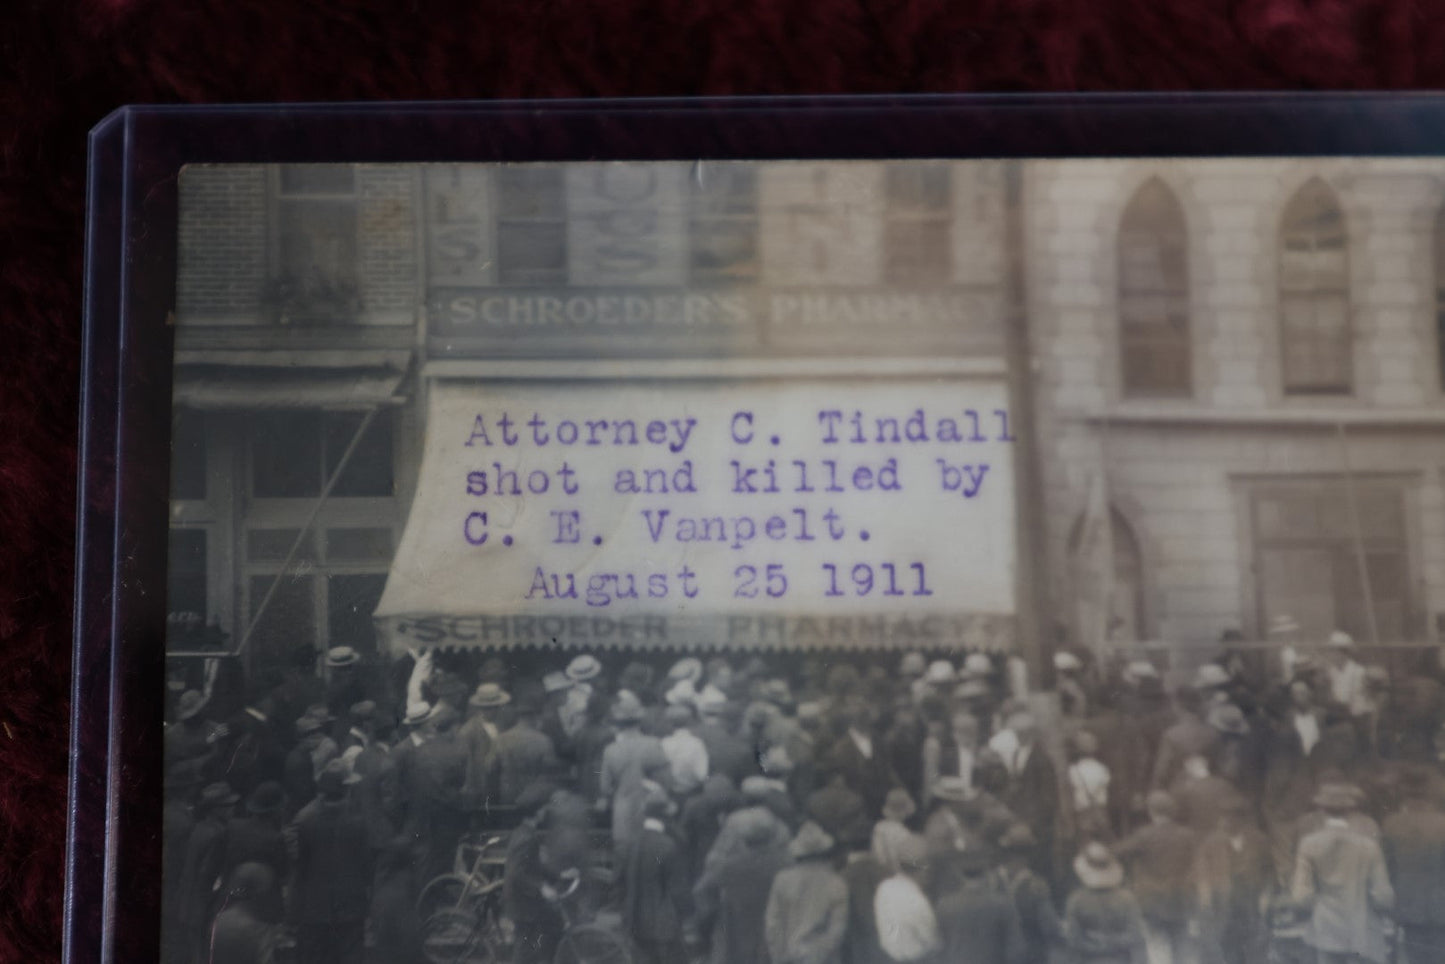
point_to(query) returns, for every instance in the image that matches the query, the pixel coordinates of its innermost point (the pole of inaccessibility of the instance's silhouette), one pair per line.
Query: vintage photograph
(808, 562)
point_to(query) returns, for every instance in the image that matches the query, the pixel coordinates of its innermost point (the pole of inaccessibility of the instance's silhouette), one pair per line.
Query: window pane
(1299, 583)
(369, 472)
(186, 605)
(318, 179)
(358, 545)
(318, 242)
(530, 192)
(272, 545)
(188, 455)
(350, 601)
(1154, 336)
(724, 251)
(289, 619)
(916, 252)
(531, 253)
(725, 190)
(1317, 344)
(286, 455)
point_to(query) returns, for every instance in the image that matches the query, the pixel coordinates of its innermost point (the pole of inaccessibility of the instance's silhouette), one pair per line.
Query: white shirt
(907, 928)
(1089, 781)
(688, 756)
(965, 765)
(1347, 686)
(863, 742)
(1308, 728)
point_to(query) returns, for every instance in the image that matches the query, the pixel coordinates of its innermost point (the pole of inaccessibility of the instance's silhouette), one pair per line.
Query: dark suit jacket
(654, 888)
(979, 926)
(869, 777)
(1033, 794)
(1160, 857)
(240, 936)
(333, 866)
(1415, 853)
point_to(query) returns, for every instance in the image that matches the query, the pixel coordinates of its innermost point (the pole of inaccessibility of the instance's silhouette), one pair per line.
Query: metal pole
(1031, 582)
(310, 520)
(1358, 536)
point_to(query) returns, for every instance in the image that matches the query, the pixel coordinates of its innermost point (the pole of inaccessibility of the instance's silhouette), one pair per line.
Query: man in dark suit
(1159, 857)
(245, 931)
(978, 923)
(654, 888)
(862, 760)
(330, 892)
(1414, 844)
(1032, 793)
(523, 752)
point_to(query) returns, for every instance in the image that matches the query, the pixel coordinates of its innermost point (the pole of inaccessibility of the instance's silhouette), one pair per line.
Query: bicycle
(479, 864)
(589, 941)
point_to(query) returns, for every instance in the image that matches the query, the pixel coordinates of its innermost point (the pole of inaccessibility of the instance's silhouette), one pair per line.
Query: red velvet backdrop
(66, 64)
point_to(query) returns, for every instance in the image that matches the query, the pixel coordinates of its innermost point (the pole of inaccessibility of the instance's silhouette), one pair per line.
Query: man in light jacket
(1340, 876)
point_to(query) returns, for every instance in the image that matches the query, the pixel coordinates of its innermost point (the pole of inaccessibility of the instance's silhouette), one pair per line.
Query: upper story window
(919, 211)
(1316, 346)
(531, 225)
(1154, 339)
(724, 228)
(294, 453)
(316, 251)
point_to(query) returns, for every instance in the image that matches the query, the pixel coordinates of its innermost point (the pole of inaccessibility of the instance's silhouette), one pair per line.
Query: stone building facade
(1239, 383)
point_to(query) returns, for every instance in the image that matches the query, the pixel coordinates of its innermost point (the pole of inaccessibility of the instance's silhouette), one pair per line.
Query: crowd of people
(838, 811)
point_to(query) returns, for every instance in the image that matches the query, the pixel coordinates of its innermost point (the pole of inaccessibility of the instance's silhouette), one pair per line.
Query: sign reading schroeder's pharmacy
(824, 497)
(820, 503)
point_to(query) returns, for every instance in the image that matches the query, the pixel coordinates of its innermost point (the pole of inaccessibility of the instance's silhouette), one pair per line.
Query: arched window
(1440, 294)
(1154, 295)
(1314, 295)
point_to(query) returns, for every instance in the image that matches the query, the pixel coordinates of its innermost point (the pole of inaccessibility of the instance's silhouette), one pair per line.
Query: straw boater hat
(756, 787)
(1097, 868)
(972, 689)
(912, 665)
(627, 708)
(811, 841)
(583, 668)
(777, 762)
(688, 668)
(333, 780)
(1282, 625)
(338, 656)
(1067, 663)
(1210, 676)
(1340, 640)
(555, 682)
(1137, 670)
(899, 805)
(977, 664)
(939, 672)
(1228, 718)
(489, 695)
(952, 790)
(416, 713)
(308, 723)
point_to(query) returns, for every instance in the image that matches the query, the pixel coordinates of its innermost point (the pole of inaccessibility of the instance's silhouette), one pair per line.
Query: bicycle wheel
(458, 937)
(446, 891)
(591, 944)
